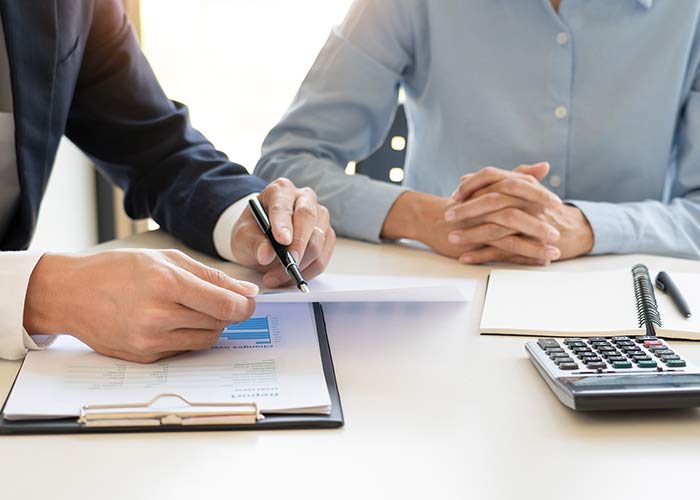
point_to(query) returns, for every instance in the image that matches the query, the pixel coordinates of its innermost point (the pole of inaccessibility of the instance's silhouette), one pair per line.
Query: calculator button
(555, 350)
(641, 357)
(663, 352)
(622, 364)
(583, 354)
(568, 366)
(558, 355)
(574, 342)
(595, 366)
(563, 361)
(649, 343)
(620, 338)
(616, 358)
(670, 356)
(643, 338)
(631, 349)
(623, 343)
(548, 343)
(606, 348)
(646, 363)
(655, 348)
(675, 363)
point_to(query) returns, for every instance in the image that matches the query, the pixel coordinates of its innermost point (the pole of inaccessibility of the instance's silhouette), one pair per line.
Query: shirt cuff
(224, 227)
(613, 230)
(15, 270)
(366, 210)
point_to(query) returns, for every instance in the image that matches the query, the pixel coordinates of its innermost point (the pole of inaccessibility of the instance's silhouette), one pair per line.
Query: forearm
(343, 112)
(649, 227)
(358, 205)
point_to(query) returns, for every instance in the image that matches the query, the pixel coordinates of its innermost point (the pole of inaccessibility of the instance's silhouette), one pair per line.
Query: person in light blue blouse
(586, 114)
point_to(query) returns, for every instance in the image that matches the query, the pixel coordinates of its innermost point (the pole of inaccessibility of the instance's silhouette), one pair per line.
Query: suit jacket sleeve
(144, 142)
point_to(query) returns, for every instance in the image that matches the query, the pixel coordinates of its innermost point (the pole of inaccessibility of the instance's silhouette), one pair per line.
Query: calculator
(616, 373)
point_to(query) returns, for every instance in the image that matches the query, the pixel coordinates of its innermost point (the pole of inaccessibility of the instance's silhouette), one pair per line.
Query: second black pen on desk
(666, 285)
(290, 265)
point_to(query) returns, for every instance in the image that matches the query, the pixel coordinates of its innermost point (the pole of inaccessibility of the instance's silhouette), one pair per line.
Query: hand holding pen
(287, 260)
(298, 222)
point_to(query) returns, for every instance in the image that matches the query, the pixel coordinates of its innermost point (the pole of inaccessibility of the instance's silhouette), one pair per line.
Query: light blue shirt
(607, 91)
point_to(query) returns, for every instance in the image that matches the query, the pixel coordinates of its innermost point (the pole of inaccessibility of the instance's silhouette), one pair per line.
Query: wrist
(586, 236)
(48, 304)
(412, 215)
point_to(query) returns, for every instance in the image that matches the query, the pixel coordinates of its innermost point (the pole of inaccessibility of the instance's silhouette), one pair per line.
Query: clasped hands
(494, 215)
(509, 216)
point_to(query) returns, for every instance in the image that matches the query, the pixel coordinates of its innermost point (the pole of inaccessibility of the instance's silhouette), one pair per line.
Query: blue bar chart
(255, 331)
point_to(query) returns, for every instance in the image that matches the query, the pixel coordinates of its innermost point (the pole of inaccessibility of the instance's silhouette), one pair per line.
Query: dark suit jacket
(77, 70)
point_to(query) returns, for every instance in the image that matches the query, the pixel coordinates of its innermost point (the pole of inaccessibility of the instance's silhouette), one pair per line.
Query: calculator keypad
(611, 354)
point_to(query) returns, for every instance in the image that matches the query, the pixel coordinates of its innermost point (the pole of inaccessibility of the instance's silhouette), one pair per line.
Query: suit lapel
(31, 36)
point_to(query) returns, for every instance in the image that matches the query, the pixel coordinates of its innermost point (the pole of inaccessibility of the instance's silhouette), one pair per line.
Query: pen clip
(660, 284)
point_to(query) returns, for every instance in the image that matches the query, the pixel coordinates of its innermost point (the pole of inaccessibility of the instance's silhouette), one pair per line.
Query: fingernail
(450, 215)
(453, 238)
(272, 282)
(249, 289)
(552, 235)
(552, 253)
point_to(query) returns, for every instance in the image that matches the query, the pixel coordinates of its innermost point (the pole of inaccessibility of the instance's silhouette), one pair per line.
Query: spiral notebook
(572, 304)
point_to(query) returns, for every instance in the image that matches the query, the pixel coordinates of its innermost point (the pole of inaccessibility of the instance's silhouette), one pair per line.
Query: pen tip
(304, 288)
(688, 315)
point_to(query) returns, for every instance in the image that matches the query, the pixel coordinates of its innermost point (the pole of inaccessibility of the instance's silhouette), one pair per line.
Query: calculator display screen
(663, 381)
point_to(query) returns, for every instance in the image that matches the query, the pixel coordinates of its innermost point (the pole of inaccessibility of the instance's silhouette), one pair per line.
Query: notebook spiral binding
(647, 308)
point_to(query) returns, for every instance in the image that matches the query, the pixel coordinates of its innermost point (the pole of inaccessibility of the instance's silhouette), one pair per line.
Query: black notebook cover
(271, 421)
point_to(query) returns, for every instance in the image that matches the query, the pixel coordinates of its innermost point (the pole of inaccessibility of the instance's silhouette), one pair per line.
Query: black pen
(666, 284)
(290, 265)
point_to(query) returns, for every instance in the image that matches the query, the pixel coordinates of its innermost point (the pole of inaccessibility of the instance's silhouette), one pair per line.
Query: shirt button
(555, 181)
(560, 112)
(562, 38)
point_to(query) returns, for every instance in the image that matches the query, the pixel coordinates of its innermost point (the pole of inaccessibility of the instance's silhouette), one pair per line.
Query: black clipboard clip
(149, 414)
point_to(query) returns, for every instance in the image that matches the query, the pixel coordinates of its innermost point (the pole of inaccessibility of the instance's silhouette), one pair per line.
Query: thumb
(250, 246)
(539, 170)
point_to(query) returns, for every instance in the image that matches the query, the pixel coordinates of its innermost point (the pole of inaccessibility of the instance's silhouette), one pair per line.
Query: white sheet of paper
(357, 288)
(272, 359)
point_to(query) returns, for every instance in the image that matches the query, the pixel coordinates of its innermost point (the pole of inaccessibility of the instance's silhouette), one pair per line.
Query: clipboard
(199, 416)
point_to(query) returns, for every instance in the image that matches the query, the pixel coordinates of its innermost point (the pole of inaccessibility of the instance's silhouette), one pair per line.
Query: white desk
(425, 418)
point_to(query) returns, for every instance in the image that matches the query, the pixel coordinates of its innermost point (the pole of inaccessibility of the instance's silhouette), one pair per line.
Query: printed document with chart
(273, 359)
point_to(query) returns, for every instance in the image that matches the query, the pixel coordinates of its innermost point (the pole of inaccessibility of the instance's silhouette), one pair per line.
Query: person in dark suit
(75, 68)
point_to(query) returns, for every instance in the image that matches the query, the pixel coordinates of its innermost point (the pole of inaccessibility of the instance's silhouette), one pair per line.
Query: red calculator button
(648, 343)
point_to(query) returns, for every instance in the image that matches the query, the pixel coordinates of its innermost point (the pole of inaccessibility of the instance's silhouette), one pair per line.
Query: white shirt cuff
(15, 270)
(224, 227)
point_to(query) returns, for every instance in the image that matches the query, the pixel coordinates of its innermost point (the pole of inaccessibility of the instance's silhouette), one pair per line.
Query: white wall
(68, 215)
(236, 63)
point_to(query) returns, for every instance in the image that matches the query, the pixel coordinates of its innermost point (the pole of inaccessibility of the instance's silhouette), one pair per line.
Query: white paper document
(272, 359)
(357, 288)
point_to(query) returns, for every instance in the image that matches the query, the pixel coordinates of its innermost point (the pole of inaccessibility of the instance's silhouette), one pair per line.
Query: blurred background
(236, 63)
